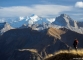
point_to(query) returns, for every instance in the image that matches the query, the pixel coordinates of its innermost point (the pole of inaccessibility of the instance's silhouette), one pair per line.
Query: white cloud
(41, 10)
(79, 4)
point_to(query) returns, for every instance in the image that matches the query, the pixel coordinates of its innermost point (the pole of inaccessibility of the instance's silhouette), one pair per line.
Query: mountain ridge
(27, 39)
(45, 42)
(39, 23)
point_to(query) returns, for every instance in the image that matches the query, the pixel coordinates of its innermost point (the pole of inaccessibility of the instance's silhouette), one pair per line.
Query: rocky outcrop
(4, 27)
(64, 20)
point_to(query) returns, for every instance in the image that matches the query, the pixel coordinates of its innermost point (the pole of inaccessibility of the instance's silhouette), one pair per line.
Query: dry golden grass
(73, 51)
(67, 55)
(55, 32)
(31, 50)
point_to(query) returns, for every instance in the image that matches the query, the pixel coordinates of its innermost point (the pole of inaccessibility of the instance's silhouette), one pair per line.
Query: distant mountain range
(39, 23)
(17, 22)
(33, 38)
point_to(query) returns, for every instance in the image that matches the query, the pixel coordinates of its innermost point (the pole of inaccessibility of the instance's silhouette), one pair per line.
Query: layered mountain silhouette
(45, 42)
(40, 23)
(34, 37)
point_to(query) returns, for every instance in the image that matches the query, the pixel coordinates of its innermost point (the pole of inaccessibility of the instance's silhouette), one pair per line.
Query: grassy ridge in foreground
(67, 55)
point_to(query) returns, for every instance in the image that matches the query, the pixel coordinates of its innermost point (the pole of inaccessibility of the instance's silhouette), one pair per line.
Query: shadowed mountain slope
(27, 39)
(70, 36)
(45, 42)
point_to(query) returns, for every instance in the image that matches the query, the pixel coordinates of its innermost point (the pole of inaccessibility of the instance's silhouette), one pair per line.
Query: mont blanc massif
(34, 38)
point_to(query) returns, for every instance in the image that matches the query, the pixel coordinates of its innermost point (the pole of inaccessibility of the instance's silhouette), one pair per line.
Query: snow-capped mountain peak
(64, 20)
(39, 23)
(33, 18)
(64, 15)
(21, 18)
(17, 22)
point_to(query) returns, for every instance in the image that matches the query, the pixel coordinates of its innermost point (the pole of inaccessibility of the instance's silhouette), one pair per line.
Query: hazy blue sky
(43, 8)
